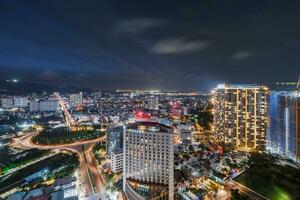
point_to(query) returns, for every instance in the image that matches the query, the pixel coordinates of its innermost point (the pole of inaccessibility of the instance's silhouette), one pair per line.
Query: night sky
(164, 44)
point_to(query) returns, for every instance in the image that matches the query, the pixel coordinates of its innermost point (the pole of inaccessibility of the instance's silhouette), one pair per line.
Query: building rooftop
(117, 151)
(148, 190)
(149, 126)
(286, 93)
(239, 86)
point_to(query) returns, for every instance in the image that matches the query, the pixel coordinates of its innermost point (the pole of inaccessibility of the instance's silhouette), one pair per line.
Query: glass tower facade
(114, 139)
(283, 132)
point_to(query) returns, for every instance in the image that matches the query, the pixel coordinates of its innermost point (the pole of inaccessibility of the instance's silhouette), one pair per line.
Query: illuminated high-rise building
(284, 134)
(241, 115)
(114, 139)
(76, 99)
(34, 106)
(176, 109)
(49, 105)
(20, 101)
(153, 104)
(7, 103)
(116, 160)
(148, 161)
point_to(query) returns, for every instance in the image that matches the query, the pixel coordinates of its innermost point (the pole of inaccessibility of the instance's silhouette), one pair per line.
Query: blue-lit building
(114, 139)
(283, 133)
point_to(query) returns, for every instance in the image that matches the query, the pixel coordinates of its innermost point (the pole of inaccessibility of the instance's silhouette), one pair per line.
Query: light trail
(86, 157)
(85, 166)
(68, 117)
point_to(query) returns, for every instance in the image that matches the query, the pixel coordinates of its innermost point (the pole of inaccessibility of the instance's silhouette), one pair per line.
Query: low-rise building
(185, 137)
(76, 99)
(187, 195)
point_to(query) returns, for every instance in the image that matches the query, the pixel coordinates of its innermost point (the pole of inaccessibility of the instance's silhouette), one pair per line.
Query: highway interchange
(89, 173)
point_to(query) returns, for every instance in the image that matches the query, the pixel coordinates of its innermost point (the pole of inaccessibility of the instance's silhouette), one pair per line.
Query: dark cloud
(178, 46)
(241, 55)
(164, 44)
(138, 25)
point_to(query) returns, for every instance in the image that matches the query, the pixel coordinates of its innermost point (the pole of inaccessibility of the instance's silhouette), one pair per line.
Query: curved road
(89, 173)
(250, 193)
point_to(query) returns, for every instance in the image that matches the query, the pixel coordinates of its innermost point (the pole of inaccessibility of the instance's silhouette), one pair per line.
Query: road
(250, 193)
(87, 167)
(68, 116)
(94, 172)
(27, 164)
(89, 174)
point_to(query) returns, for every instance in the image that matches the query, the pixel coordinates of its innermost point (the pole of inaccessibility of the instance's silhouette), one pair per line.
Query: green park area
(19, 159)
(271, 177)
(63, 135)
(99, 151)
(57, 166)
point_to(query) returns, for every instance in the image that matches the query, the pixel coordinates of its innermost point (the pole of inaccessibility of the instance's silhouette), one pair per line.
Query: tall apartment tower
(43, 106)
(114, 139)
(148, 161)
(20, 101)
(7, 103)
(76, 99)
(153, 104)
(240, 115)
(283, 133)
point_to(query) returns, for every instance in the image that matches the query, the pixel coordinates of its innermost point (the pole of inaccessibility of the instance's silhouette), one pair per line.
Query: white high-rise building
(7, 103)
(240, 115)
(116, 161)
(49, 106)
(20, 101)
(44, 106)
(148, 161)
(76, 99)
(153, 103)
(34, 106)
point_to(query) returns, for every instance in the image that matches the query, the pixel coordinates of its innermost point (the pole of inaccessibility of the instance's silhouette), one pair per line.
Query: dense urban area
(239, 141)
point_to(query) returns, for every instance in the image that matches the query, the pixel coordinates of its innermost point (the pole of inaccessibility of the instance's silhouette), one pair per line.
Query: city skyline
(128, 144)
(149, 100)
(146, 45)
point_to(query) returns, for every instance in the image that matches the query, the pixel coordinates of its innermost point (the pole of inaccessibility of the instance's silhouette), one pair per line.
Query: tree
(235, 195)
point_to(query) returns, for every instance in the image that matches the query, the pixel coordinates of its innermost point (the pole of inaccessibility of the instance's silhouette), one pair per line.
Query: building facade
(34, 106)
(44, 106)
(49, 106)
(176, 109)
(153, 104)
(7, 103)
(185, 137)
(241, 115)
(148, 161)
(20, 101)
(76, 99)
(116, 161)
(284, 134)
(114, 139)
